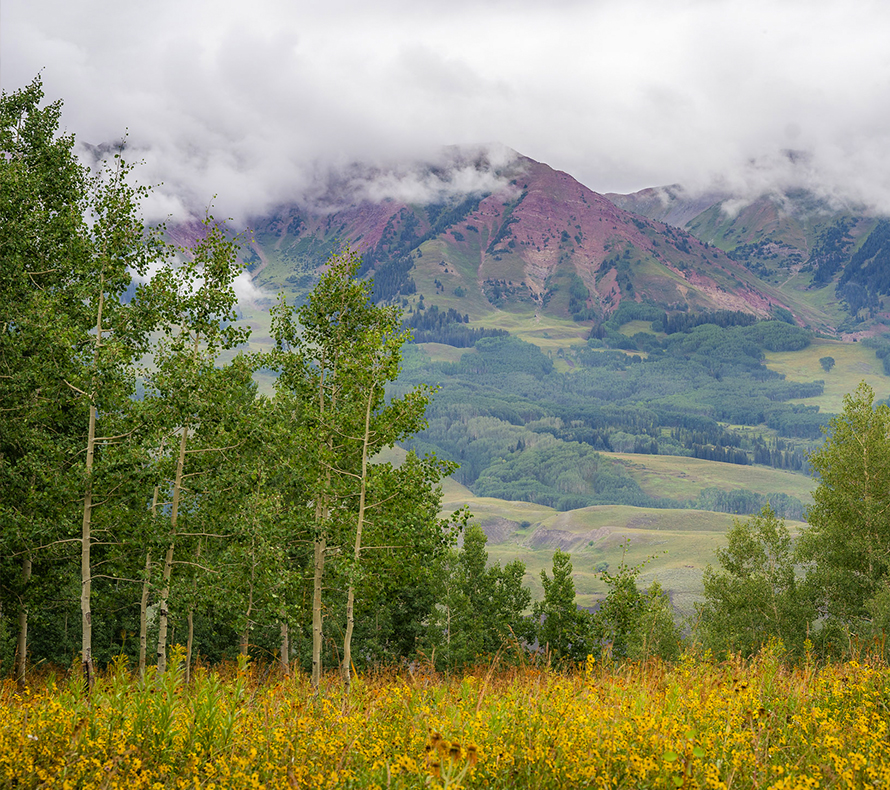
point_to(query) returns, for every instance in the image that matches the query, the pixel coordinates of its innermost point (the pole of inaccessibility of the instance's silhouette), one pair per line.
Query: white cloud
(252, 103)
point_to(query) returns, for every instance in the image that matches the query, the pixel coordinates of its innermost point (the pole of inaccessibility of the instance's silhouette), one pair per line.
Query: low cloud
(264, 104)
(451, 172)
(247, 292)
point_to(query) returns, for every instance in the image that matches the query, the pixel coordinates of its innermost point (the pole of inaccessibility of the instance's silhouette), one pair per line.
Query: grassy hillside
(854, 362)
(680, 543)
(678, 477)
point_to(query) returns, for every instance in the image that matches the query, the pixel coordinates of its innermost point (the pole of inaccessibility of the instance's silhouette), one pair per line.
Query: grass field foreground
(696, 724)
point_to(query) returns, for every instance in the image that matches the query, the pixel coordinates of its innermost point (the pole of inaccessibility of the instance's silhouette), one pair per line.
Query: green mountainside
(542, 244)
(832, 263)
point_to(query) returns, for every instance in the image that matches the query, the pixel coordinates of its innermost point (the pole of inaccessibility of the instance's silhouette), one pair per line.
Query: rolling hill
(621, 297)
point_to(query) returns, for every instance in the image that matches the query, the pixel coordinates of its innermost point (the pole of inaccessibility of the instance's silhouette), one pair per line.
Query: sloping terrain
(677, 544)
(831, 263)
(643, 349)
(542, 243)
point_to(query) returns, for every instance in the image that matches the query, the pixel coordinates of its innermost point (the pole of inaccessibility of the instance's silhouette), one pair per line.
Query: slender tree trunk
(86, 615)
(163, 613)
(321, 518)
(318, 570)
(163, 619)
(21, 650)
(245, 635)
(146, 587)
(346, 666)
(86, 578)
(143, 614)
(284, 651)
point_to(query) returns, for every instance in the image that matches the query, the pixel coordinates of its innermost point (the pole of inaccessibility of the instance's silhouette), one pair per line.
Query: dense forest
(520, 430)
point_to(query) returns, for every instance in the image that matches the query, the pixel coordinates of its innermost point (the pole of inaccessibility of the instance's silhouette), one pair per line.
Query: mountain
(536, 242)
(832, 262)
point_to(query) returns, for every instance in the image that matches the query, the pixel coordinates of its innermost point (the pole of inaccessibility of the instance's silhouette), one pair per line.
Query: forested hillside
(520, 430)
(831, 260)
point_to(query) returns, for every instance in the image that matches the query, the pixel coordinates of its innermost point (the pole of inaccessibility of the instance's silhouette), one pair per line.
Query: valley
(643, 401)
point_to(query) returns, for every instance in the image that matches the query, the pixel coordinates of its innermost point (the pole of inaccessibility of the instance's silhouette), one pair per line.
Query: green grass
(441, 352)
(854, 363)
(632, 328)
(546, 332)
(682, 478)
(678, 544)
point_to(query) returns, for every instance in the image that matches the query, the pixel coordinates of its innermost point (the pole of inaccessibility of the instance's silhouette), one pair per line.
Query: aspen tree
(336, 353)
(196, 299)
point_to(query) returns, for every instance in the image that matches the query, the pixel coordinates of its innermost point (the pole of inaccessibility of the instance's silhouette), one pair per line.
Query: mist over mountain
(485, 229)
(826, 256)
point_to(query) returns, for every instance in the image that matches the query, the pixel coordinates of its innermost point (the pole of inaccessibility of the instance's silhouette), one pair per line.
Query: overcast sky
(251, 101)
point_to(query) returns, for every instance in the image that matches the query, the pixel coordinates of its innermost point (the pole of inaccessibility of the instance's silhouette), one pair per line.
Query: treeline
(827, 590)
(867, 275)
(449, 327)
(392, 259)
(148, 493)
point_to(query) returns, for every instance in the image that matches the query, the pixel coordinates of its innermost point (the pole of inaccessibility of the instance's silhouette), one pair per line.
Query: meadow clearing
(699, 723)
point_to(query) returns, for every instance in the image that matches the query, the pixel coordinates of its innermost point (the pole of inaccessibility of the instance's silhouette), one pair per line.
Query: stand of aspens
(190, 486)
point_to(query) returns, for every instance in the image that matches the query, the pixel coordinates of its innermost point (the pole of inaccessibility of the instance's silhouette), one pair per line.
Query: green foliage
(848, 543)
(656, 632)
(755, 595)
(630, 310)
(563, 475)
(632, 623)
(866, 277)
(495, 405)
(504, 354)
(450, 327)
(683, 322)
(564, 630)
(743, 502)
(483, 608)
(827, 363)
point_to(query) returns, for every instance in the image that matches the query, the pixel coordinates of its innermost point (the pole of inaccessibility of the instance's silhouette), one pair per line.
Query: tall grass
(699, 723)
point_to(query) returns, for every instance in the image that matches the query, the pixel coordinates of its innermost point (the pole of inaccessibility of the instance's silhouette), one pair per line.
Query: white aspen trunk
(245, 635)
(163, 619)
(318, 570)
(284, 651)
(21, 650)
(321, 517)
(143, 614)
(146, 587)
(346, 666)
(163, 613)
(86, 616)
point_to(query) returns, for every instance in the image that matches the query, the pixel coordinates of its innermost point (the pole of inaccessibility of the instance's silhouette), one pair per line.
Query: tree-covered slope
(829, 262)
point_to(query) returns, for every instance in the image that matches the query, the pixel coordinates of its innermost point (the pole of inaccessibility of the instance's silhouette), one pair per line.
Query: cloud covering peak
(252, 103)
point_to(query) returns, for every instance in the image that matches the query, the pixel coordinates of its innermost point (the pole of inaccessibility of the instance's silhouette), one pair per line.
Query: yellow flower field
(696, 724)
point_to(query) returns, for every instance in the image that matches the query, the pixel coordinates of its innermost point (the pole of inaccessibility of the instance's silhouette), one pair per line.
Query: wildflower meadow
(696, 723)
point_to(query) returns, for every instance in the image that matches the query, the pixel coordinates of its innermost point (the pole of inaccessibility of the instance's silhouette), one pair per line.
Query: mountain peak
(484, 229)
